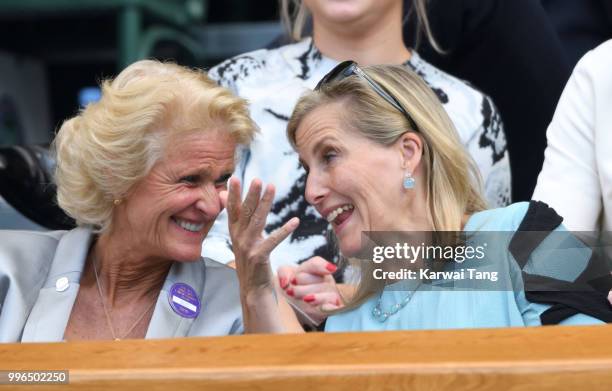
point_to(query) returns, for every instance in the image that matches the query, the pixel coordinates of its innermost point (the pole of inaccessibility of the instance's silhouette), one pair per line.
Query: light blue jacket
(33, 309)
(432, 307)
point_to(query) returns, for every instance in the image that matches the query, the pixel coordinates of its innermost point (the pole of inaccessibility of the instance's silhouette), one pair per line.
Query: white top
(576, 179)
(273, 80)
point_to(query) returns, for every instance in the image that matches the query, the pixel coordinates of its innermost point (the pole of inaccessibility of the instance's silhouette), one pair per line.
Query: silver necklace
(109, 320)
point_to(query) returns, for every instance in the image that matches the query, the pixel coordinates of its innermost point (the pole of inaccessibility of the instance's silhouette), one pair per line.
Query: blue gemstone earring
(409, 181)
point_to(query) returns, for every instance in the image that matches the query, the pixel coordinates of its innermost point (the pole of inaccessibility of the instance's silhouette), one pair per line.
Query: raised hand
(246, 223)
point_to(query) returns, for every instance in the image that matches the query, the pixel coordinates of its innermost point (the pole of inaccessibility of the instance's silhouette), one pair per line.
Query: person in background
(141, 172)
(369, 31)
(576, 178)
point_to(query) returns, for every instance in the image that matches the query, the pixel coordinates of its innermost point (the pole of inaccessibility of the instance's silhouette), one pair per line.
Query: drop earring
(408, 181)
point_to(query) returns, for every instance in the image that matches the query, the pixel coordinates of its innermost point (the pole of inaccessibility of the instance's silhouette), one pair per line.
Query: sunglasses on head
(350, 68)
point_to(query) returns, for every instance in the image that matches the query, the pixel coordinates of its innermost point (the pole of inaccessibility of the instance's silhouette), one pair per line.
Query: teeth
(334, 213)
(188, 226)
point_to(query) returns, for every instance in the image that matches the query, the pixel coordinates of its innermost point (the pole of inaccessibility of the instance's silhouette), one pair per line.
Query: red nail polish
(294, 281)
(309, 298)
(331, 267)
(289, 292)
(283, 282)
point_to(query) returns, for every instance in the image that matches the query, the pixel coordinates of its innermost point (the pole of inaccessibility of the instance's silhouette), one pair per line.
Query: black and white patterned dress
(273, 81)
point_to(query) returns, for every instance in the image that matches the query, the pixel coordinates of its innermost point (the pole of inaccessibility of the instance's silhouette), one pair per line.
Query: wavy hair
(112, 144)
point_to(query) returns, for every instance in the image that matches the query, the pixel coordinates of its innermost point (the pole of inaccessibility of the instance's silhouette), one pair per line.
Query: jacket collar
(166, 322)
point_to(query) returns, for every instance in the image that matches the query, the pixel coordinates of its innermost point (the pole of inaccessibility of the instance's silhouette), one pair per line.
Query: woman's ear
(410, 146)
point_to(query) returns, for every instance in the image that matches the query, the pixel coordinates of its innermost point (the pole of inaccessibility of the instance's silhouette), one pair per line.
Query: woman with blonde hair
(382, 156)
(141, 171)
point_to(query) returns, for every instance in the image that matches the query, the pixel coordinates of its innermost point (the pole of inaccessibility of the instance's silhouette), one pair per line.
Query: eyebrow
(316, 149)
(319, 145)
(206, 173)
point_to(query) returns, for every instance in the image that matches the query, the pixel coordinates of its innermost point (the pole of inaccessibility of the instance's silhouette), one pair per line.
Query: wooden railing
(539, 358)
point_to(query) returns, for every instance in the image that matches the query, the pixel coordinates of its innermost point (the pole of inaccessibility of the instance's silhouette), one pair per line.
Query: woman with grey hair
(369, 32)
(142, 172)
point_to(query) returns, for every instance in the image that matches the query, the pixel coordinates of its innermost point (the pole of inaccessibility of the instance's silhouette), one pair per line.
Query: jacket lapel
(49, 316)
(166, 322)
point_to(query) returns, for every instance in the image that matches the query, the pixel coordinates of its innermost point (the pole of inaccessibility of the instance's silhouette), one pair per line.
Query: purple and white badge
(184, 300)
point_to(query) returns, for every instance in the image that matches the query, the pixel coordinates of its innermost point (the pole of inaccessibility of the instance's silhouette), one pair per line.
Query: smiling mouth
(187, 226)
(338, 215)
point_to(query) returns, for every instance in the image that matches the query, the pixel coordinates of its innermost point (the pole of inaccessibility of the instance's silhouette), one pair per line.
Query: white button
(62, 284)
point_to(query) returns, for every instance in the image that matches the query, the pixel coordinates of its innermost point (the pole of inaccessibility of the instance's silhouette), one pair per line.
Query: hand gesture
(246, 223)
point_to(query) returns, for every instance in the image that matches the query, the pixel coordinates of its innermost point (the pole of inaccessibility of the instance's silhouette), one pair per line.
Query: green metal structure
(135, 41)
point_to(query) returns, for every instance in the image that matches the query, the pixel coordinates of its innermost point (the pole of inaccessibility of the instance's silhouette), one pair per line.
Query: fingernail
(331, 267)
(283, 282)
(289, 292)
(309, 298)
(294, 281)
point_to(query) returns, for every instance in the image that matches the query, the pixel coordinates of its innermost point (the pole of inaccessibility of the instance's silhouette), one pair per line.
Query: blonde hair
(113, 143)
(452, 180)
(294, 15)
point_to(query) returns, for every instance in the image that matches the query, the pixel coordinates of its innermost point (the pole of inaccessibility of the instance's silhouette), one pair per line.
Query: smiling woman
(382, 158)
(142, 172)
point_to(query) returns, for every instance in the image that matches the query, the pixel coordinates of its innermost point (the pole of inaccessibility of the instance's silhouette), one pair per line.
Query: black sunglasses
(350, 68)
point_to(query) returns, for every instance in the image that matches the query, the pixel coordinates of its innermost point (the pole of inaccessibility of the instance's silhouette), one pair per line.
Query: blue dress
(440, 308)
